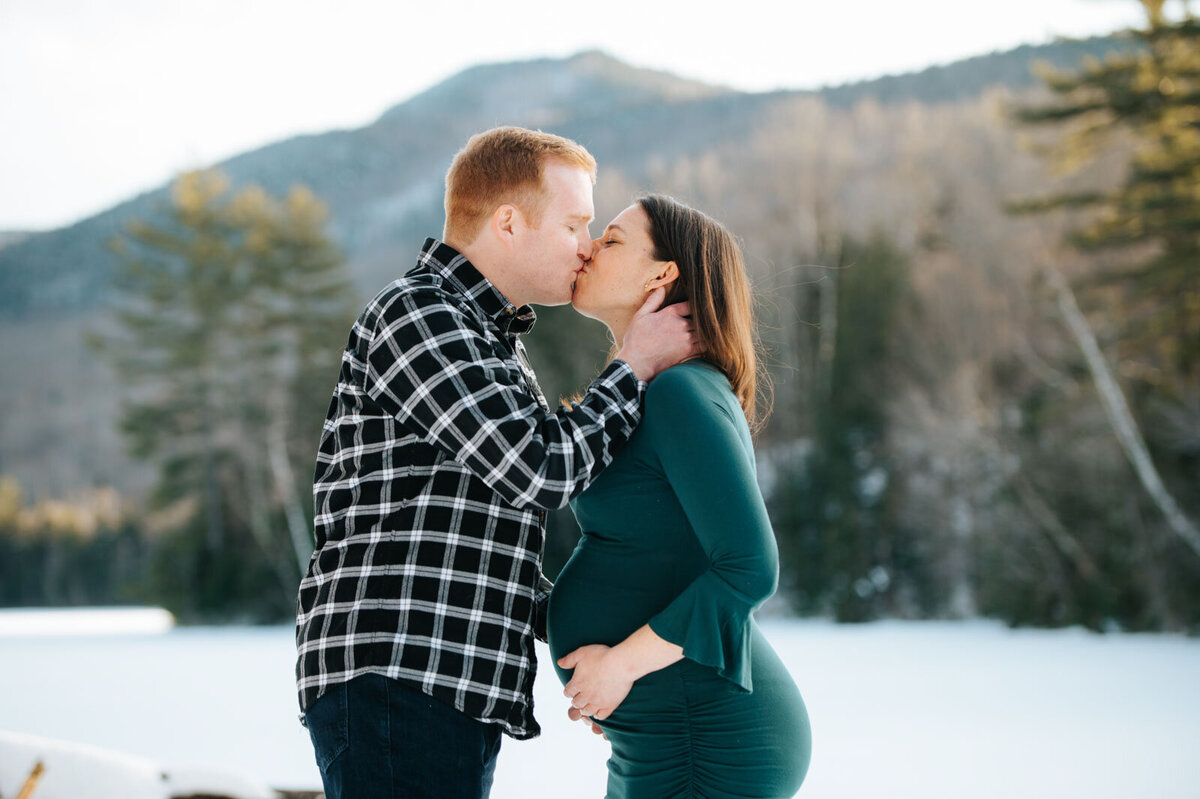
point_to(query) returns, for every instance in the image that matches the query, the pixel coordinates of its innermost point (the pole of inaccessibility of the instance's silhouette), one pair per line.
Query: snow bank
(84, 621)
(75, 771)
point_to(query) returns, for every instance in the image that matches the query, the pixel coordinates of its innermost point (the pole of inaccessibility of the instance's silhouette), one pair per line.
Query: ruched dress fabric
(676, 535)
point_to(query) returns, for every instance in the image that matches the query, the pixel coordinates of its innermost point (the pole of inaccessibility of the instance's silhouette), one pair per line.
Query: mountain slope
(383, 182)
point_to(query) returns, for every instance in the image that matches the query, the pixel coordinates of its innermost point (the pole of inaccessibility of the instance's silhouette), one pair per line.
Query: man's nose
(587, 248)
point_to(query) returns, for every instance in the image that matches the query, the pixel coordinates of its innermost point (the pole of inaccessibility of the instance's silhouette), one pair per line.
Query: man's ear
(506, 220)
(666, 276)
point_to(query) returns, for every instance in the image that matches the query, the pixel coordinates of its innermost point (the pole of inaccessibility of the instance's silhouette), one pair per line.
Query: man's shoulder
(420, 284)
(418, 289)
(419, 298)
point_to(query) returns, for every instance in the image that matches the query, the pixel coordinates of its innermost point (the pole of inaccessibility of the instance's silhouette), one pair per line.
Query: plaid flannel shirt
(438, 457)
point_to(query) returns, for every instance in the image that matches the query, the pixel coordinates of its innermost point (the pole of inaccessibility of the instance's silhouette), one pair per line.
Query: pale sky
(103, 99)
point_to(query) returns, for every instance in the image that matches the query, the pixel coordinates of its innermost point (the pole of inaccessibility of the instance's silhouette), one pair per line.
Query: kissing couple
(438, 461)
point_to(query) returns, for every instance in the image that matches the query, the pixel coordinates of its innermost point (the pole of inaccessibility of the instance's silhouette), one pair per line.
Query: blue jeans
(376, 737)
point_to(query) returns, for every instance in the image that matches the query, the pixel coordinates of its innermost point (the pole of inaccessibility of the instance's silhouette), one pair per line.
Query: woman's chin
(580, 305)
(590, 313)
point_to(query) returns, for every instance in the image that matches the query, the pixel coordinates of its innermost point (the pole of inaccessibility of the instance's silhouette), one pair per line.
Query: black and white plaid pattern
(437, 459)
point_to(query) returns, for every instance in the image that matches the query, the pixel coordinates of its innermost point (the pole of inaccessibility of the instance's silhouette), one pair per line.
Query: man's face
(553, 253)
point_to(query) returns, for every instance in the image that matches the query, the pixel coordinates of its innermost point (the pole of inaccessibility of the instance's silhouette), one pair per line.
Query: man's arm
(428, 364)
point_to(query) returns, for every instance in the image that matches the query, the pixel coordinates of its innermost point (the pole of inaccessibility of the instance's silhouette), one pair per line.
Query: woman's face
(613, 285)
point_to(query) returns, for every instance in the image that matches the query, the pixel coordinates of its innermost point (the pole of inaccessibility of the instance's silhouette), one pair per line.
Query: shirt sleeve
(706, 461)
(541, 608)
(430, 365)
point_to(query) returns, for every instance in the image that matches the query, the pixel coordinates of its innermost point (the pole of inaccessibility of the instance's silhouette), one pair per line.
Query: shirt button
(509, 310)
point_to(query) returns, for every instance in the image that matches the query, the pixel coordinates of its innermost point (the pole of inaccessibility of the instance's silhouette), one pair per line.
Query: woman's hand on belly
(601, 680)
(574, 715)
(604, 675)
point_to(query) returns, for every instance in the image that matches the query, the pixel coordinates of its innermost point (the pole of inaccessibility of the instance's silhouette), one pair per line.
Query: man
(417, 616)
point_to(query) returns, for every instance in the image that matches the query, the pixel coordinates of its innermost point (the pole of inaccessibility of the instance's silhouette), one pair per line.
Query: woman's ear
(667, 275)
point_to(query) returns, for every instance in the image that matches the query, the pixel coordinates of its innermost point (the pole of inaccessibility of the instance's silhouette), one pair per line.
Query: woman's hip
(689, 722)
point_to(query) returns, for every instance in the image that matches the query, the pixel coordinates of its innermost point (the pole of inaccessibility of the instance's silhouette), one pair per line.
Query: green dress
(676, 535)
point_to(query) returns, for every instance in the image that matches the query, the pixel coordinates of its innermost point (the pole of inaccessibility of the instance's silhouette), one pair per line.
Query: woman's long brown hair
(712, 279)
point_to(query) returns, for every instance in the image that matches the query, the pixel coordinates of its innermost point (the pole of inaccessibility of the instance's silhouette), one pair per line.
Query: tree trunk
(1118, 413)
(281, 471)
(258, 520)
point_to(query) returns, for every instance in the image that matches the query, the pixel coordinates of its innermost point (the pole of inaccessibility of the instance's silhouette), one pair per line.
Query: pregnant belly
(601, 599)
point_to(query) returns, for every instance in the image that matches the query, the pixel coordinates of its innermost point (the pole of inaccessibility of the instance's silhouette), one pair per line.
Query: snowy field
(964, 710)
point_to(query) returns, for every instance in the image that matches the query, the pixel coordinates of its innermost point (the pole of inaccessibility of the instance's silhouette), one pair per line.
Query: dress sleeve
(705, 460)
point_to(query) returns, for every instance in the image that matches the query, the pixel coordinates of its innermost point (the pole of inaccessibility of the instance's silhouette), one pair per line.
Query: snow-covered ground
(961, 710)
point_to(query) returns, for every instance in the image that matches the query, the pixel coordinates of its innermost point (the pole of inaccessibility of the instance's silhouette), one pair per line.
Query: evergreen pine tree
(234, 310)
(1151, 95)
(1144, 238)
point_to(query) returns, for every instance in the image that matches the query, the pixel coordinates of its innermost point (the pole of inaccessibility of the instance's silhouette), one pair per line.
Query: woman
(650, 620)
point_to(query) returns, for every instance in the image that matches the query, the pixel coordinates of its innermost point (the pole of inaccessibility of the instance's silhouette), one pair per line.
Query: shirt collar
(460, 273)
